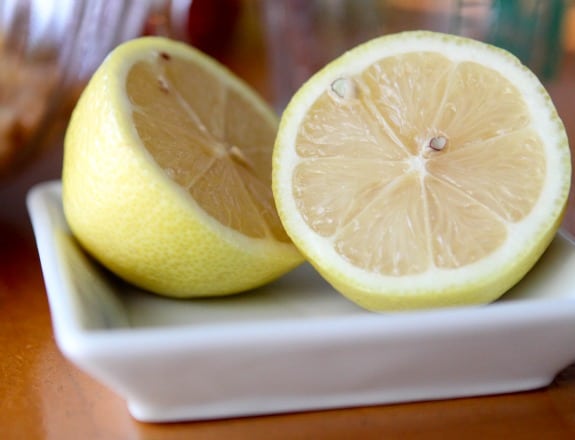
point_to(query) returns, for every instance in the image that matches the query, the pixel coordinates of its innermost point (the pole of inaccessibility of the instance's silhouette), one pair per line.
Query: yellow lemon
(167, 174)
(422, 170)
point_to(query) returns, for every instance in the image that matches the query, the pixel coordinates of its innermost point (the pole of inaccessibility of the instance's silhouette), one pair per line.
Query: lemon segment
(422, 170)
(167, 174)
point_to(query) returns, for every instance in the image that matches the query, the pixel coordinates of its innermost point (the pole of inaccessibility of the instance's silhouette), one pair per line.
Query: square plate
(295, 344)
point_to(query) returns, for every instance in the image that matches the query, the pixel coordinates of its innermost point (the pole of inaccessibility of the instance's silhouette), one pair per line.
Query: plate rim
(41, 197)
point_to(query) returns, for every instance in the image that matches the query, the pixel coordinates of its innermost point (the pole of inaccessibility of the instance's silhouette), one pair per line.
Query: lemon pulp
(209, 139)
(389, 200)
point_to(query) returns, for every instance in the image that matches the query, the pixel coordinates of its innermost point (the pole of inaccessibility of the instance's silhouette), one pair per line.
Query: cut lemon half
(421, 170)
(167, 174)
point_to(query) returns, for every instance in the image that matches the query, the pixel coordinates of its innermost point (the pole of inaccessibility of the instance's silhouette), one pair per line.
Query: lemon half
(167, 174)
(422, 170)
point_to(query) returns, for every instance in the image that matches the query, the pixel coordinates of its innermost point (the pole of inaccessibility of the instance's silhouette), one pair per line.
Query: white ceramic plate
(296, 344)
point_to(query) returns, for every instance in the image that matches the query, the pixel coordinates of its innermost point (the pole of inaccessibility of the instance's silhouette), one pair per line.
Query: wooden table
(43, 396)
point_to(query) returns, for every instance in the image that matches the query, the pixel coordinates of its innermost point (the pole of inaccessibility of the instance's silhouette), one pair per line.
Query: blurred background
(49, 48)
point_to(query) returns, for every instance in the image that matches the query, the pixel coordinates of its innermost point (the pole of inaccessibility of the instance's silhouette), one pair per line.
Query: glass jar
(303, 35)
(49, 49)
